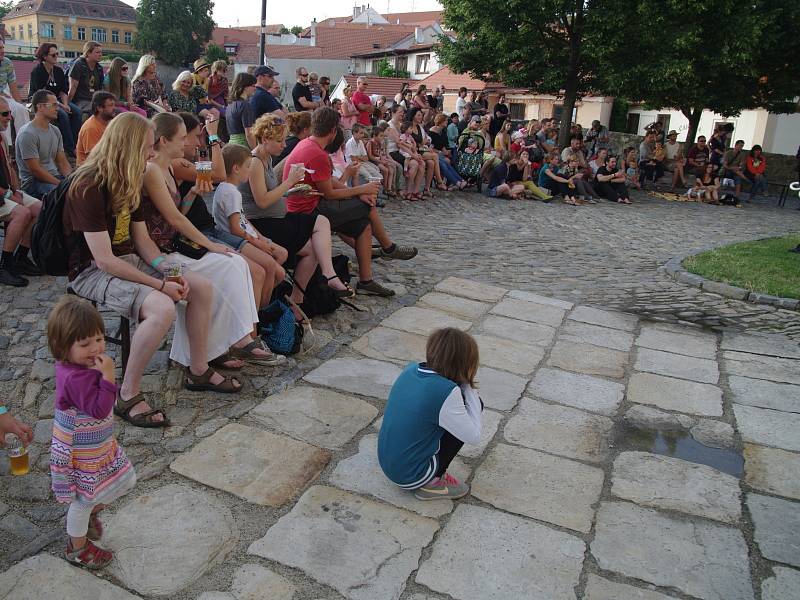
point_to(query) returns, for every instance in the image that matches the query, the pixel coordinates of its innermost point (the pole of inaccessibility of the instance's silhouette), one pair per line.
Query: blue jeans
(759, 184)
(69, 125)
(448, 172)
(38, 189)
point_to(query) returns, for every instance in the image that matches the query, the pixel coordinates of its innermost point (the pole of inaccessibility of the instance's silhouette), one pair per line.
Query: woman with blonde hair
(189, 97)
(148, 90)
(116, 82)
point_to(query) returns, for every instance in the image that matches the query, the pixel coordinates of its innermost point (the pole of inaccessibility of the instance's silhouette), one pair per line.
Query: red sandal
(90, 556)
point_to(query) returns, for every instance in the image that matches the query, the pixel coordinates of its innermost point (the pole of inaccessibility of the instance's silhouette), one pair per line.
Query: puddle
(680, 444)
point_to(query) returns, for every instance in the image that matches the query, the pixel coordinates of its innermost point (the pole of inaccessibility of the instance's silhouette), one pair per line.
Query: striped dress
(86, 462)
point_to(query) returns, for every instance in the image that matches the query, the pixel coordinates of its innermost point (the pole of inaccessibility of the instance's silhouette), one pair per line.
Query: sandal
(623, 201)
(391, 194)
(95, 531)
(219, 362)
(246, 353)
(202, 383)
(348, 292)
(442, 187)
(90, 556)
(122, 408)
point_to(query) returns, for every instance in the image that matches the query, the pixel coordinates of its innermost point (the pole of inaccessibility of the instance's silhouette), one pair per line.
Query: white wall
(783, 134)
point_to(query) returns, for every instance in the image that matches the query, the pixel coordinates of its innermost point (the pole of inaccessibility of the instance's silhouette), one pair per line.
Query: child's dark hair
(356, 128)
(71, 320)
(375, 132)
(234, 155)
(453, 354)
(404, 126)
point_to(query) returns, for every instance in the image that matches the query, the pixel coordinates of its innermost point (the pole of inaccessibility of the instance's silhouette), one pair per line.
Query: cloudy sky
(230, 13)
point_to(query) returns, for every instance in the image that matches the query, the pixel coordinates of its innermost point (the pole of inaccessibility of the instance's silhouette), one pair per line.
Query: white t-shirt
(354, 147)
(228, 201)
(461, 106)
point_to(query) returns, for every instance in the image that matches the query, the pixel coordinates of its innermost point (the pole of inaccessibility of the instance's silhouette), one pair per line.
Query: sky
(230, 13)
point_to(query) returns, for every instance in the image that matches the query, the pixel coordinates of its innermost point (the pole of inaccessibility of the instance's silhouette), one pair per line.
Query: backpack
(318, 297)
(48, 246)
(278, 328)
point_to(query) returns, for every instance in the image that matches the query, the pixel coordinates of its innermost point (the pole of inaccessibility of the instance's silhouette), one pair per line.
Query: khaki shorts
(117, 295)
(8, 205)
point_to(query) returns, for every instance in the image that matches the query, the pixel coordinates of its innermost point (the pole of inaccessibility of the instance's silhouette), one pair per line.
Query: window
(98, 35)
(70, 54)
(422, 63)
(401, 63)
(82, 33)
(21, 34)
(30, 31)
(230, 49)
(517, 111)
(633, 123)
(48, 30)
(11, 31)
(128, 38)
(67, 32)
(114, 36)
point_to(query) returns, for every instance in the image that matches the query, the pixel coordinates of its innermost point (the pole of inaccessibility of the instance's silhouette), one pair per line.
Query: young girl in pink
(88, 468)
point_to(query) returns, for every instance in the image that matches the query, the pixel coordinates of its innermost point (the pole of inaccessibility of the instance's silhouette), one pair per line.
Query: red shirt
(363, 115)
(309, 153)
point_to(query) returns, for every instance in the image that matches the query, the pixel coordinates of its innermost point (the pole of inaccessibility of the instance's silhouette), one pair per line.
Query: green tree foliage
(215, 52)
(284, 29)
(534, 45)
(297, 30)
(174, 30)
(723, 55)
(387, 70)
(5, 7)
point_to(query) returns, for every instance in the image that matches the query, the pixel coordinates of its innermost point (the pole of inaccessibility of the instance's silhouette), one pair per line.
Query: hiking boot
(373, 288)
(9, 276)
(26, 266)
(445, 486)
(399, 253)
(90, 556)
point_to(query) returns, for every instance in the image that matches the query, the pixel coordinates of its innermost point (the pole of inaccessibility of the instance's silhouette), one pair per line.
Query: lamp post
(263, 38)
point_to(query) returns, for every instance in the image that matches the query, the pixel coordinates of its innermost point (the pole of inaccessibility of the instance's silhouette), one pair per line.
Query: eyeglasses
(5, 114)
(53, 55)
(49, 104)
(303, 74)
(124, 68)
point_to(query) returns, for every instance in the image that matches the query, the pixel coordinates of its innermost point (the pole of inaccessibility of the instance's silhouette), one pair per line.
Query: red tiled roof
(109, 10)
(248, 53)
(22, 69)
(382, 86)
(275, 28)
(346, 40)
(450, 81)
(395, 51)
(223, 35)
(421, 19)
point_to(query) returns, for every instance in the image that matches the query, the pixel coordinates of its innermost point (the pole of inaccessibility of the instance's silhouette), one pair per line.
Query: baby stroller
(469, 157)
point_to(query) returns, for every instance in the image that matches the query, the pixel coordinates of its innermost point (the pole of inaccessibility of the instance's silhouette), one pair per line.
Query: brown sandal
(122, 408)
(246, 354)
(202, 383)
(219, 362)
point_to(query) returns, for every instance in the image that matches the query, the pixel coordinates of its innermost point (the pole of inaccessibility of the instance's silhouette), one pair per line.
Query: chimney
(418, 38)
(356, 12)
(314, 31)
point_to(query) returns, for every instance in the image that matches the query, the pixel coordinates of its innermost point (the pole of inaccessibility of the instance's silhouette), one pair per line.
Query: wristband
(7, 196)
(213, 138)
(163, 283)
(3, 410)
(156, 261)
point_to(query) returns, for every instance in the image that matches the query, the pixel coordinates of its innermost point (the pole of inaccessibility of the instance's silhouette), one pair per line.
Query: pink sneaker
(446, 486)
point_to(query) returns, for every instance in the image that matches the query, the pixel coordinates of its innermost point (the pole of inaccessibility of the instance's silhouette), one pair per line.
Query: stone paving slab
(765, 394)
(679, 395)
(532, 312)
(483, 554)
(700, 558)
(598, 588)
(538, 485)
(317, 416)
(676, 365)
(777, 527)
(560, 430)
(502, 354)
(780, 370)
(45, 577)
(678, 343)
(782, 586)
(768, 427)
(473, 290)
(187, 533)
(531, 297)
(490, 421)
(518, 331)
(588, 359)
(383, 343)
(254, 582)
(362, 474)
(604, 318)
(423, 321)
(770, 345)
(674, 484)
(253, 464)
(463, 308)
(362, 376)
(499, 389)
(578, 390)
(584, 333)
(361, 548)
(772, 470)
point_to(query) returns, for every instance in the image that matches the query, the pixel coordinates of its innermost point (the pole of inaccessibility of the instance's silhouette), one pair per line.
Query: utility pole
(262, 42)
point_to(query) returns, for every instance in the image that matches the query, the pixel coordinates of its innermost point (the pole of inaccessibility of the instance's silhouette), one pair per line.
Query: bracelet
(213, 138)
(3, 410)
(7, 196)
(163, 283)
(156, 261)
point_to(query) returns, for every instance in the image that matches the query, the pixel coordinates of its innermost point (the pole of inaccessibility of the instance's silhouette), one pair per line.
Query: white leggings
(79, 512)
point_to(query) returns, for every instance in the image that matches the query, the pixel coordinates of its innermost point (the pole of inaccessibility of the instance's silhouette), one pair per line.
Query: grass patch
(764, 266)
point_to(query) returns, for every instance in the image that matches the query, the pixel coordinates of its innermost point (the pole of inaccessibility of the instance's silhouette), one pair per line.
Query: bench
(123, 335)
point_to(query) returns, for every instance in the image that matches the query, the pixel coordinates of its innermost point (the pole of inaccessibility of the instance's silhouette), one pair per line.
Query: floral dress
(181, 103)
(150, 90)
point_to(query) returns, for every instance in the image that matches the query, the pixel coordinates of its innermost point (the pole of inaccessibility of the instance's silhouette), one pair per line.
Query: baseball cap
(265, 70)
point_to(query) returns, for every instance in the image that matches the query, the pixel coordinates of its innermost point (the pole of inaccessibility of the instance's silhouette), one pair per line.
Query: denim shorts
(215, 234)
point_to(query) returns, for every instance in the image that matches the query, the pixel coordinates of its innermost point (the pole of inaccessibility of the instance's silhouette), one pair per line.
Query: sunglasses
(5, 114)
(53, 55)
(124, 68)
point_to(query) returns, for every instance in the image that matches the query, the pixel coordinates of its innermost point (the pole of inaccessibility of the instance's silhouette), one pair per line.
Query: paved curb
(674, 268)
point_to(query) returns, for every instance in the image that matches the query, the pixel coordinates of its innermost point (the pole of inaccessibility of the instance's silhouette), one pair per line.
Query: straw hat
(200, 64)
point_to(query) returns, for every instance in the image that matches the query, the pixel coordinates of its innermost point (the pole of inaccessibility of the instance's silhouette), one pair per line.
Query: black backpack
(48, 246)
(319, 298)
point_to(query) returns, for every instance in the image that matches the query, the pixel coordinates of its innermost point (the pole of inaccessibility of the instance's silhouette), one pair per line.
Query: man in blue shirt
(263, 102)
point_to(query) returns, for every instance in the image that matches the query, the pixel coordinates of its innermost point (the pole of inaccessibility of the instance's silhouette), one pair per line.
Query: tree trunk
(571, 84)
(694, 122)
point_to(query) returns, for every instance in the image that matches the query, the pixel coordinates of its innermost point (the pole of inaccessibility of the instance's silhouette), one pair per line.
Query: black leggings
(449, 446)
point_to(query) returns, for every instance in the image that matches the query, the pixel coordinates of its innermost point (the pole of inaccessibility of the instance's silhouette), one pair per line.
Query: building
(376, 86)
(415, 54)
(70, 24)
(775, 133)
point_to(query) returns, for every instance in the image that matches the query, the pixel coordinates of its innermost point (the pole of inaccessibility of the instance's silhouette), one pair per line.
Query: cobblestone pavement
(578, 487)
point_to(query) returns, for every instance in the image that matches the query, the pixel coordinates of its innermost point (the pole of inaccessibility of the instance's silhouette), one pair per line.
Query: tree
(215, 52)
(284, 30)
(174, 30)
(724, 55)
(5, 7)
(384, 69)
(533, 45)
(297, 30)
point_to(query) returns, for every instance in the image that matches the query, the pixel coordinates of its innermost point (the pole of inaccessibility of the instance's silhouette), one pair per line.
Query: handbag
(187, 247)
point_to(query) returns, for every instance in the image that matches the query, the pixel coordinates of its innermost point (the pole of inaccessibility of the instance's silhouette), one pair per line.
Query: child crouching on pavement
(432, 411)
(88, 468)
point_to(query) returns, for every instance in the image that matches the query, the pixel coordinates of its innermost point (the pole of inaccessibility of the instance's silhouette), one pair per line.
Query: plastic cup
(174, 272)
(17, 455)
(203, 171)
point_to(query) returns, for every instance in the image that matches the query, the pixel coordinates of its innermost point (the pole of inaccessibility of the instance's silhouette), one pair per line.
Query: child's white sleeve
(461, 414)
(348, 150)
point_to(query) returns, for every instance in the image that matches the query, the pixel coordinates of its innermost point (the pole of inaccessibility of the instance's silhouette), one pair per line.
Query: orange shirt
(91, 132)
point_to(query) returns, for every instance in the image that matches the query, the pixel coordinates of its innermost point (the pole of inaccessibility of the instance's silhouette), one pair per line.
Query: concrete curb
(674, 268)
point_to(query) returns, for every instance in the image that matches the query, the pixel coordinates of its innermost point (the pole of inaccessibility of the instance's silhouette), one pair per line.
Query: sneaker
(9, 277)
(376, 252)
(445, 486)
(373, 288)
(399, 253)
(90, 556)
(26, 266)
